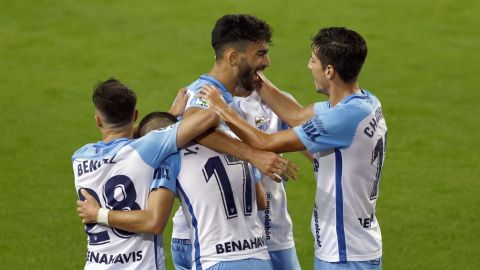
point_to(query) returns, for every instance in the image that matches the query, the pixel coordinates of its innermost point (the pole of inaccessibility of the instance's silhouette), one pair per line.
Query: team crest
(201, 102)
(262, 122)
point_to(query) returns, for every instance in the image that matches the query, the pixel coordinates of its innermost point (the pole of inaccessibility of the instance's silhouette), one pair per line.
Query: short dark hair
(342, 48)
(115, 101)
(237, 30)
(160, 119)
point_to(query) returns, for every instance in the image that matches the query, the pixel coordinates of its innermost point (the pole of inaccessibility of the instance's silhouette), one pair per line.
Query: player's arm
(307, 155)
(288, 109)
(180, 102)
(150, 220)
(281, 142)
(268, 163)
(195, 125)
(261, 198)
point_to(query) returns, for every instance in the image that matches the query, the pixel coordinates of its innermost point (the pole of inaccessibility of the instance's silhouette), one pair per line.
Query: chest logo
(262, 122)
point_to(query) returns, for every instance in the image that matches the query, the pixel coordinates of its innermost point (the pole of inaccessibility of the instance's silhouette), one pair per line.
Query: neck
(240, 92)
(110, 134)
(224, 75)
(341, 90)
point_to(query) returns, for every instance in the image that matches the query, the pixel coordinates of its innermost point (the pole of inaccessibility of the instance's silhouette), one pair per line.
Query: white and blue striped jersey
(277, 224)
(219, 204)
(119, 175)
(218, 198)
(349, 144)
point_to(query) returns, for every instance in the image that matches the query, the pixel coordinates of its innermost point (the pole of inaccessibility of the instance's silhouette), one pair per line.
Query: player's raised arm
(268, 163)
(288, 109)
(180, 102)
(281, 142)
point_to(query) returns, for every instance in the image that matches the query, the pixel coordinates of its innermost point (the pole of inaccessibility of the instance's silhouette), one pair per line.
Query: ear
(98, 120)
(330, 72)
(232, 56)
(135, 115)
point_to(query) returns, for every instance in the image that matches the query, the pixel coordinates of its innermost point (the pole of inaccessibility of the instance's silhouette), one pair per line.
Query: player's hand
(87, 209)
(274, 165)
(261, 81)
(180, 102)
(213, 97)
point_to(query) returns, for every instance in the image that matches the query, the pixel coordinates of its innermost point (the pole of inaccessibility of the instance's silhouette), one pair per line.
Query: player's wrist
(102, 216)
(249, 154)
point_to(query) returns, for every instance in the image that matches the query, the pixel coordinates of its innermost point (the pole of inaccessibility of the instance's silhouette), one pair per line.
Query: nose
(265, 61)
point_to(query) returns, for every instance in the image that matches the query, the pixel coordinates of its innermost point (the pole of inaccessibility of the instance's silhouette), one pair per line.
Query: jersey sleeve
(157, 145)
(329, 128)
(166, 175)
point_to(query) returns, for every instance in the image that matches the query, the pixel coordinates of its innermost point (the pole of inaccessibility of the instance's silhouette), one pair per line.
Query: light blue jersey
(198, 102)
(349, 144)
(119, 175)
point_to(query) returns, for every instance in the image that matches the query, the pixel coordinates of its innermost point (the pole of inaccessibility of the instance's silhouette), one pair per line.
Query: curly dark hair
(237, 30)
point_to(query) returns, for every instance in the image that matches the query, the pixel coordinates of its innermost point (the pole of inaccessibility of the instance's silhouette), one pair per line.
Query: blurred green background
(423, 64)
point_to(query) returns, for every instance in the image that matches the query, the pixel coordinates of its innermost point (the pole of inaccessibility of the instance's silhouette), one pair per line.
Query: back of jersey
(219, 201)
(119, 175)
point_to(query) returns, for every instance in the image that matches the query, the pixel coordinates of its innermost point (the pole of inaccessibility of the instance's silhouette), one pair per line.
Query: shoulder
(83, 151)
(362, 104)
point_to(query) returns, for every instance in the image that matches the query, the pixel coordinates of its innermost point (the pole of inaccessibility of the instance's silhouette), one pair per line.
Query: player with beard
(217, 190)
(347, 135)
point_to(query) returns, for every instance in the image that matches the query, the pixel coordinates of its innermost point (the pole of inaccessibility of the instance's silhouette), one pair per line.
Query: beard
(246, 76)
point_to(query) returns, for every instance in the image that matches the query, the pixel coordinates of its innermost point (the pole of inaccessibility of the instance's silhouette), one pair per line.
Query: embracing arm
(281, 142)
(288, 109)
(196, 125)
(150, 220)
(268, 163)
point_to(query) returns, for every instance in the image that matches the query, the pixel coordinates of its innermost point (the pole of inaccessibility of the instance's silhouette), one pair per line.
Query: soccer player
(277, 224)
(166, 177)
(118, 171)
(346, 134)
(225, 230)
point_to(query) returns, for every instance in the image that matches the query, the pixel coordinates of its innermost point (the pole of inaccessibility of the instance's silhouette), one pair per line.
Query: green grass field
(423, 64)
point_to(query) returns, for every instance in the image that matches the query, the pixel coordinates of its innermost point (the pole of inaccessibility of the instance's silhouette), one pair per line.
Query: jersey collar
(362, 95)
(226, 95)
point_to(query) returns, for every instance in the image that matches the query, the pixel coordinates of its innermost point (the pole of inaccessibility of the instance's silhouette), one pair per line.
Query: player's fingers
(85, 194)
(290, 164)
(275, 177)
(291, 174)
(209, 87)
(182, 91)
(277, 173)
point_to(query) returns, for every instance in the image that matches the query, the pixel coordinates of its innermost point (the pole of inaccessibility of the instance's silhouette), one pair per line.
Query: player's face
(318, 72)
(254, 58)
